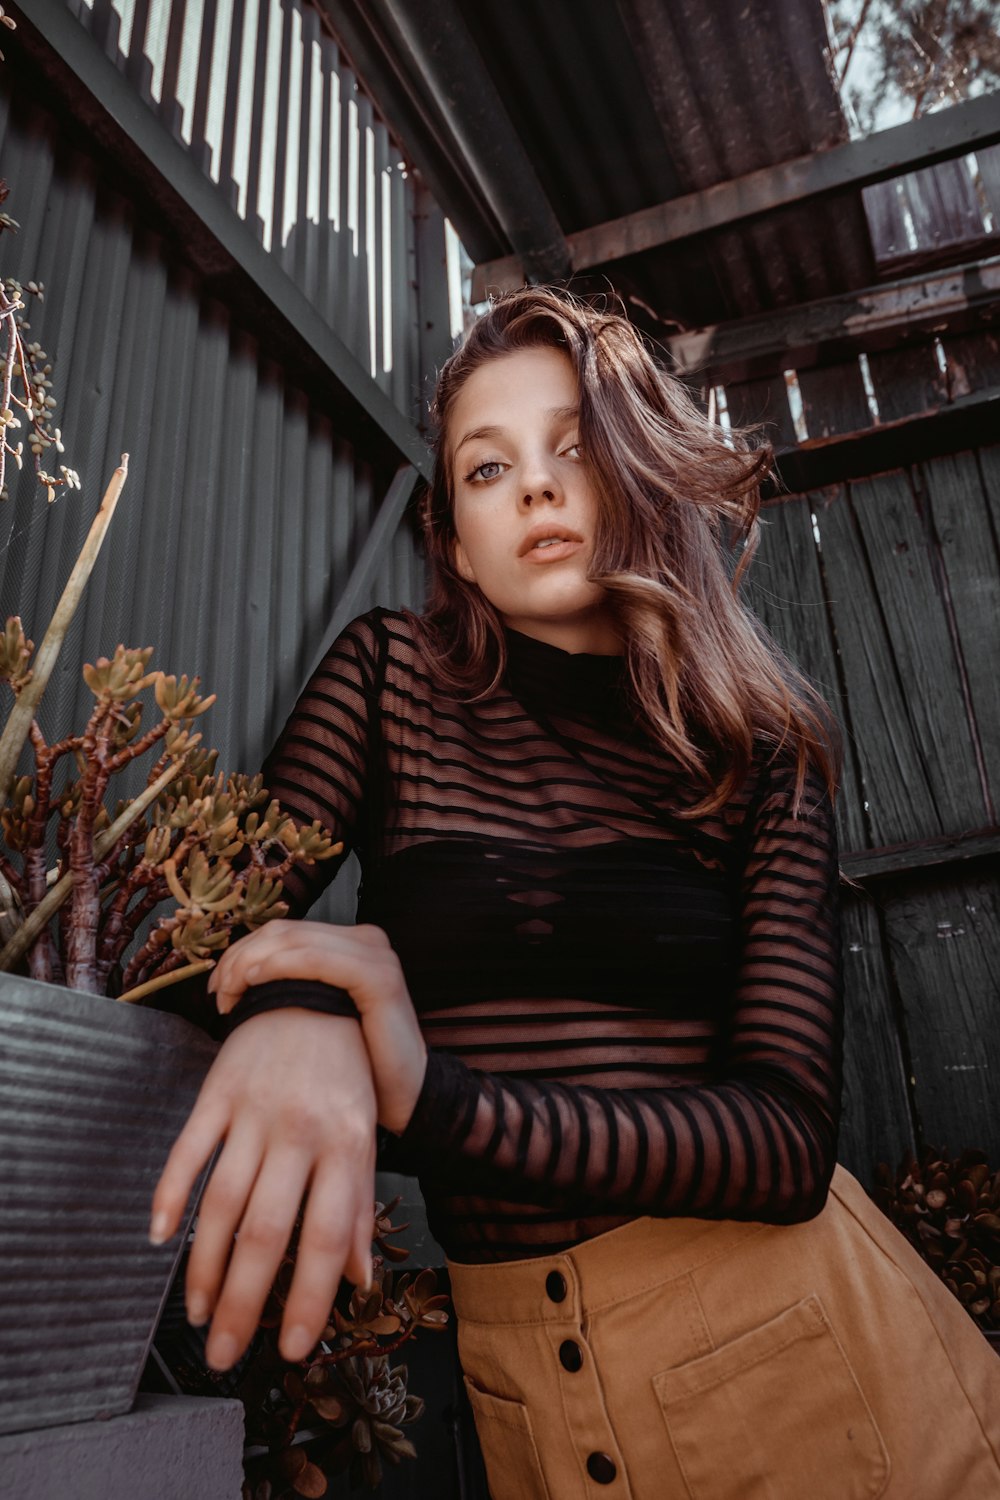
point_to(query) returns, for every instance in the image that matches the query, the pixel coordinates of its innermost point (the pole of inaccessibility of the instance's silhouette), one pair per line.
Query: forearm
(752, 1149)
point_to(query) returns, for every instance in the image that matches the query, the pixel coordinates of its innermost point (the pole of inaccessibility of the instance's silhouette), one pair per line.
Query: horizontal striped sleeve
(318, 769)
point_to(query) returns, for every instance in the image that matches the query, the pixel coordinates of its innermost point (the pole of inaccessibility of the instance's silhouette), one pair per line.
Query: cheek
(473, 543)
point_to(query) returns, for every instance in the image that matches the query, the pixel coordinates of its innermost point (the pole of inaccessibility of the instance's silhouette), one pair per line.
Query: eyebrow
(554, 413)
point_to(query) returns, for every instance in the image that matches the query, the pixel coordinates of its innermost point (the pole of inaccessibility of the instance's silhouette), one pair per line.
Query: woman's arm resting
(360, 960)
(759, 1142)
(291, 1099)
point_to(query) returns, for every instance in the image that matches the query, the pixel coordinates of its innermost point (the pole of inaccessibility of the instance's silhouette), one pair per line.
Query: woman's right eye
(484, 472)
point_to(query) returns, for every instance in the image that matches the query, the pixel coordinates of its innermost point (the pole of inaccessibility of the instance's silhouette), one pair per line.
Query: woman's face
(525, 509)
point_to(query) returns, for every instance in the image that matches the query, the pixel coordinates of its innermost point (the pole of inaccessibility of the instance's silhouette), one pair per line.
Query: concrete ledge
(166, 1448)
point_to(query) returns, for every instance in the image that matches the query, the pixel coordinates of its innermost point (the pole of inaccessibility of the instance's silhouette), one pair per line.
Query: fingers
(296, 950)
(220, 1211)
(329, 957)
(335, 1241)
(291, 1094)
(189, 1155)
(261, 1242)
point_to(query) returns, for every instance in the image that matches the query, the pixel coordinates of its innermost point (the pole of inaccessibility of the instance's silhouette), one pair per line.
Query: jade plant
(949, 1210)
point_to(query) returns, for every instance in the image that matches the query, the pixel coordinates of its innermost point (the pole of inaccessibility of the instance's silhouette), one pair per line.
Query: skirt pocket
(513, 1467)
(777, 1414)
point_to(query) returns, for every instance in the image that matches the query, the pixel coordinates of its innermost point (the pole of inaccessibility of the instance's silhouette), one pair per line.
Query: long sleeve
(756, 1142)
(320, 767)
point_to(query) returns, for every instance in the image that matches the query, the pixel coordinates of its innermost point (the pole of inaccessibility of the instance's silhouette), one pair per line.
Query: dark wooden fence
(885, 588)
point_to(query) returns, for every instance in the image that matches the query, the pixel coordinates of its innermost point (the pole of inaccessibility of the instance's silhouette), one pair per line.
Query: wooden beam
(357, 590)
(970, 126)
(838, 328)
(966, 423)
(899, 859)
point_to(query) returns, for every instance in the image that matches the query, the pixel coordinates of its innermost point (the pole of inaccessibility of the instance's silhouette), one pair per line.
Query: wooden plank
(989, 176)
(944, 942)
(968, 549)
(876, 1124)
(834, 399)
(944, 209)
(966, 423)
(786, 590)
(989, 468)
(973, 361)
(852, 164)
(753, 401)
(831, 329)
(952, 848)
(900, 801)
(902, 557)
(907, 381)
(886, 220)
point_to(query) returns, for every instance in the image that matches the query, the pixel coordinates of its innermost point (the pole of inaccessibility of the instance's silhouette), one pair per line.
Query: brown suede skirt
(695, 1359)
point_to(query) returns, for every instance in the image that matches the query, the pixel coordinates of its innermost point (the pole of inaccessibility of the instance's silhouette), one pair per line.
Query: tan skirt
(695, 1359)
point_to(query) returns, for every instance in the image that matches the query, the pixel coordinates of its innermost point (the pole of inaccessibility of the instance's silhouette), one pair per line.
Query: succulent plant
(342, 1410)
(949, 1210)
(218, 846)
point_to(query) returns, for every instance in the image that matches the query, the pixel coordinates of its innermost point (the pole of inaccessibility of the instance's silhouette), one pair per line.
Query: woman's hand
(360, 960)
(291, 1096)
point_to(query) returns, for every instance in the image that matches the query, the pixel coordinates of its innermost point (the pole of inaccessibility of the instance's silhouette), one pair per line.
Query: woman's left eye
(572, 452)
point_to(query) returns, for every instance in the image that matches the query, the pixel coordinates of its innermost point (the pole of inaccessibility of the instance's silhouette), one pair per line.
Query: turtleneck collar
(558, 681)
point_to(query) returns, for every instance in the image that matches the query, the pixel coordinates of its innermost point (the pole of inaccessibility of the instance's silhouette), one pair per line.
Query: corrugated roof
(618, 105)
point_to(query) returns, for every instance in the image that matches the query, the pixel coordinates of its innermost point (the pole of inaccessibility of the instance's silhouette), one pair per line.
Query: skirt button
(555, 1286)
(570, 1355)
(601, 1468)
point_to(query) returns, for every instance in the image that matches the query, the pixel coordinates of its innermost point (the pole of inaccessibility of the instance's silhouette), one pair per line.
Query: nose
(539, 485)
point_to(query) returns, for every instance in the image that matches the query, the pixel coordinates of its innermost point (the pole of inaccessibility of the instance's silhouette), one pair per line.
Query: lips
(561, 539)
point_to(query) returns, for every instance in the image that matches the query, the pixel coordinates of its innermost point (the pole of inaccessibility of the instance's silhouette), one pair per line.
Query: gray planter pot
(93, 1094)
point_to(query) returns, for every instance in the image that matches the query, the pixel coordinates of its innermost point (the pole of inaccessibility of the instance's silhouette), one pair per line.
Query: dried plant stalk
(18, 725)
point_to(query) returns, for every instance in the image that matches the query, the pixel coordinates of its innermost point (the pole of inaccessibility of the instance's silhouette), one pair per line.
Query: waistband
(610, 1268)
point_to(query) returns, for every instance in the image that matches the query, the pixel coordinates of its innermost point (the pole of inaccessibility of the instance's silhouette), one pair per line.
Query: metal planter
(92, 1096)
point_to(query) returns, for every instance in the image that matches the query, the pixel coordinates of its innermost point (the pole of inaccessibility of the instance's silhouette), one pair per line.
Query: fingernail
(197, 1309)
(297, 1342)
(158, 1229)
(252, 974)
(221, 1351)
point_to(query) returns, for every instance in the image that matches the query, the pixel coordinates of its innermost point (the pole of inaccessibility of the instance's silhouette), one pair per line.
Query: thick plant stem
(29, 929)
(161, 981)
(18, 725)
(81, 953)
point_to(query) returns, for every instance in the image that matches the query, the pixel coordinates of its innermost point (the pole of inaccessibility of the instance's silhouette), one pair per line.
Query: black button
(555, 1286)
(570, 1356)
(601, 1468)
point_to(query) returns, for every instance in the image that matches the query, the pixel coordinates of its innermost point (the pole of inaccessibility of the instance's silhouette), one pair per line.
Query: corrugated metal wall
(244, 510)
(257, 92)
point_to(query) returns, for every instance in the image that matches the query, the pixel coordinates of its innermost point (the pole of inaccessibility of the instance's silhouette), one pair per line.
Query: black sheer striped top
(628, 1012)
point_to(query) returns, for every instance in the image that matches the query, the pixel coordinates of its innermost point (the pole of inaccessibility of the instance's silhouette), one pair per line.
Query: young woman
(593, 998)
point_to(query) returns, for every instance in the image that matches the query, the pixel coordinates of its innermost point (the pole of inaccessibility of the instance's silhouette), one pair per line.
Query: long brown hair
(709, 682)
